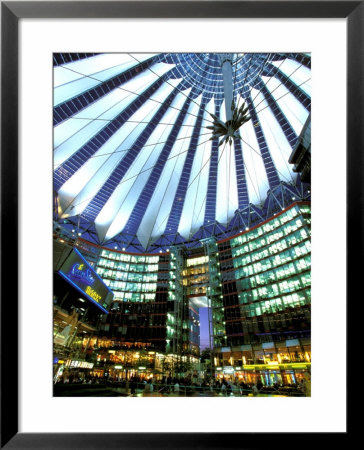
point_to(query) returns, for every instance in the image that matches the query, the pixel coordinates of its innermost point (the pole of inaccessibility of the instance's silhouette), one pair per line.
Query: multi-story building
(266, 281)
(256, 285)
(184, 183)
(80, 302)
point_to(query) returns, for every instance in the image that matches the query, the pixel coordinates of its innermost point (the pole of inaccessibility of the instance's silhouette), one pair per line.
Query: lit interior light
(233, 123)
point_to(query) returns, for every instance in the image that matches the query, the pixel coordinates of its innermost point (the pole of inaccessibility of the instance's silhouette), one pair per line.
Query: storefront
(71, 370)
(267, 374)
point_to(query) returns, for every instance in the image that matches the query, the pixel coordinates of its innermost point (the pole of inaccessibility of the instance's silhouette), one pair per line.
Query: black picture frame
(11, 12)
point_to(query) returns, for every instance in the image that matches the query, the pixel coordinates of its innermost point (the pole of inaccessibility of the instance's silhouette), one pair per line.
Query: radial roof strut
(154, 150)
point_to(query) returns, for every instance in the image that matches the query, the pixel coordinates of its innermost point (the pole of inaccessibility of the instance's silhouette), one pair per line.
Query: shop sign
(228, 369)
(292, 343)
(77, 271)
(285, 366)
(299, 366)
(93, 294)
(246, 348)
(80, 272)
(249, 367)
(79, 364)
(274, 366)
(267, 366)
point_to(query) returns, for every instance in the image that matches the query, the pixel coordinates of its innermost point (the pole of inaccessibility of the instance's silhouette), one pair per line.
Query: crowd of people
(188, 386)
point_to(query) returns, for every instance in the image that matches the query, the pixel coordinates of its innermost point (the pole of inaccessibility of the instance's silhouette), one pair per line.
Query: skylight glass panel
(256, 175)
(195, 200)
(159, 69)
(296, 72)
(226, 195)
(71, 71)
(294, 111)
(79, 190)
(278, 144)
(156, 216)
(73, 133)
(108, 67)
(116, 212)
(104, 173)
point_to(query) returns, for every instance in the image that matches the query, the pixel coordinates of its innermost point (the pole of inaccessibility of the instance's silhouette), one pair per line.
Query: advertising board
(78, 272)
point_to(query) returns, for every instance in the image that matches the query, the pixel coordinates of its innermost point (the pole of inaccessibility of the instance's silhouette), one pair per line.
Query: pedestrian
(244, 388)
(223, 389)
(151, 387)
(229, 389)
(132, 386)
(255, 390)
(146, 387)
(176, 387)
(235, 389)
(307, 385)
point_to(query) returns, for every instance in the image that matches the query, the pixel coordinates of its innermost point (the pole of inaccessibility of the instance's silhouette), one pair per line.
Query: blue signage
(82, 273)
(81, 276)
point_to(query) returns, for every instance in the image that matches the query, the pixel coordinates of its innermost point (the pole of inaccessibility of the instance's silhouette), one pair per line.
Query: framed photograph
(158, 193)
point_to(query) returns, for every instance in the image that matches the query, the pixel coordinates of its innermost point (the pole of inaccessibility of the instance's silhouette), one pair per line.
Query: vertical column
(215, 300)
(227, 73)
(177, 294)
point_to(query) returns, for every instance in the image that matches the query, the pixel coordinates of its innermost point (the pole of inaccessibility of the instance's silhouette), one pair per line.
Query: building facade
(256, 286)
(266, 283)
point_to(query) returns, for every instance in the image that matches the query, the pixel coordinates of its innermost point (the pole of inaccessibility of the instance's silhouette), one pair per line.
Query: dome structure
(155, 150)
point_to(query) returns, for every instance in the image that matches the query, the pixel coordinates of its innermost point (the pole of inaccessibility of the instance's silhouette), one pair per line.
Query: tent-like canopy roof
(136, 164)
